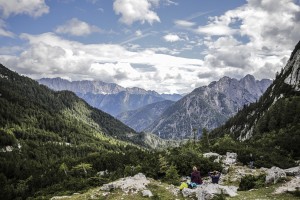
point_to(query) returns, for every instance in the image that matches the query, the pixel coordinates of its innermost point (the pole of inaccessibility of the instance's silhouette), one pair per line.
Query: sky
(170, 46)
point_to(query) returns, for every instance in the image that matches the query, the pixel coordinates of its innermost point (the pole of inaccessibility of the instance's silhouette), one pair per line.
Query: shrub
(172, 176)
(249, 182)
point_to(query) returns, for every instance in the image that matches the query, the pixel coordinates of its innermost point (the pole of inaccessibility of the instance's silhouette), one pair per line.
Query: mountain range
(109, 97)
(208, 107)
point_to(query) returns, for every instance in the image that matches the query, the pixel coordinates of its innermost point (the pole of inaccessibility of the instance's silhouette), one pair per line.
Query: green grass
(264, 193)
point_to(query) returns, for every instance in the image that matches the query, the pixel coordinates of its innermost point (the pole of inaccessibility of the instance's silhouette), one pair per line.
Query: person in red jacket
(196, 177)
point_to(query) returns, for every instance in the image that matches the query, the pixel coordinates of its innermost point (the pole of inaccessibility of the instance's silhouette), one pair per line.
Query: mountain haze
(208, 106)
(108, 97)
(141, 118)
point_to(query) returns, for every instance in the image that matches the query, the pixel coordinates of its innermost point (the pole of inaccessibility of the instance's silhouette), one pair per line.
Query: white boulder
(147, 193)
(274, 174)
(294, 171)
(208, 191)
(132, 184)
(230, 158)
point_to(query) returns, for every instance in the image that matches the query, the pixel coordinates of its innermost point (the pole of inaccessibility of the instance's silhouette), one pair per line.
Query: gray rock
(134, 184)
(294, 171)
(274, 174)
(187, 192)
(290, 186)
(230, 158)
(147, 193)
(208, 191)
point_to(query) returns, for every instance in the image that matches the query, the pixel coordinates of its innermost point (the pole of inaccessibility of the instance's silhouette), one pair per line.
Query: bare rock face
(294, 66)
(274, 174)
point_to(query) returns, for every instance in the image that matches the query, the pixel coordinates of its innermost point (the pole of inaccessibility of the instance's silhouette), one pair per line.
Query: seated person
(195, 176)
(215, 176)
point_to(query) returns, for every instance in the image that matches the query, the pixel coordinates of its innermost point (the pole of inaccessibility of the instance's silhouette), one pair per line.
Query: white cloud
(216, 29)
(4, 32)
(255, 38)
(184, 23)
(171, 38)
(77, 28)
(48, 55)
(138, 33)
(169, 3)
(34, 8)
(136, 10)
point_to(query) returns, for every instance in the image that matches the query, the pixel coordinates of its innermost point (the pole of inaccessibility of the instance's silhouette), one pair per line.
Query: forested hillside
(50, 140)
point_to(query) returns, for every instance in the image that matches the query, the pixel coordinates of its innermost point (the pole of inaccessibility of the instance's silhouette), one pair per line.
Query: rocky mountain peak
(208, 106)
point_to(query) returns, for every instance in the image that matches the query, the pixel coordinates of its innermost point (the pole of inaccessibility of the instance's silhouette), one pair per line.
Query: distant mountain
(108, 97)
(208, 106)
(141, 118)
(172, 97)
(277, 113)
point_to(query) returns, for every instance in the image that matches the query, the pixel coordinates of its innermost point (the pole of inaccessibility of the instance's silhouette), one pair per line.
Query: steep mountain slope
(141, 118)
(108, 97)
(208, 107)
(277, 111)
(30, 100)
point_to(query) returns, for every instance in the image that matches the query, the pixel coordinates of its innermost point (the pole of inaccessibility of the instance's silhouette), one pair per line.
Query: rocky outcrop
(294, 171)
(230, 158)
(129, 184)
(274, 175)
(227, 160)
(290, 186)
(208, 191)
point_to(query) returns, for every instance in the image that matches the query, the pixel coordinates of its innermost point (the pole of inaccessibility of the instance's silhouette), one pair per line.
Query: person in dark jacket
(196, 177)
(215, 176)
